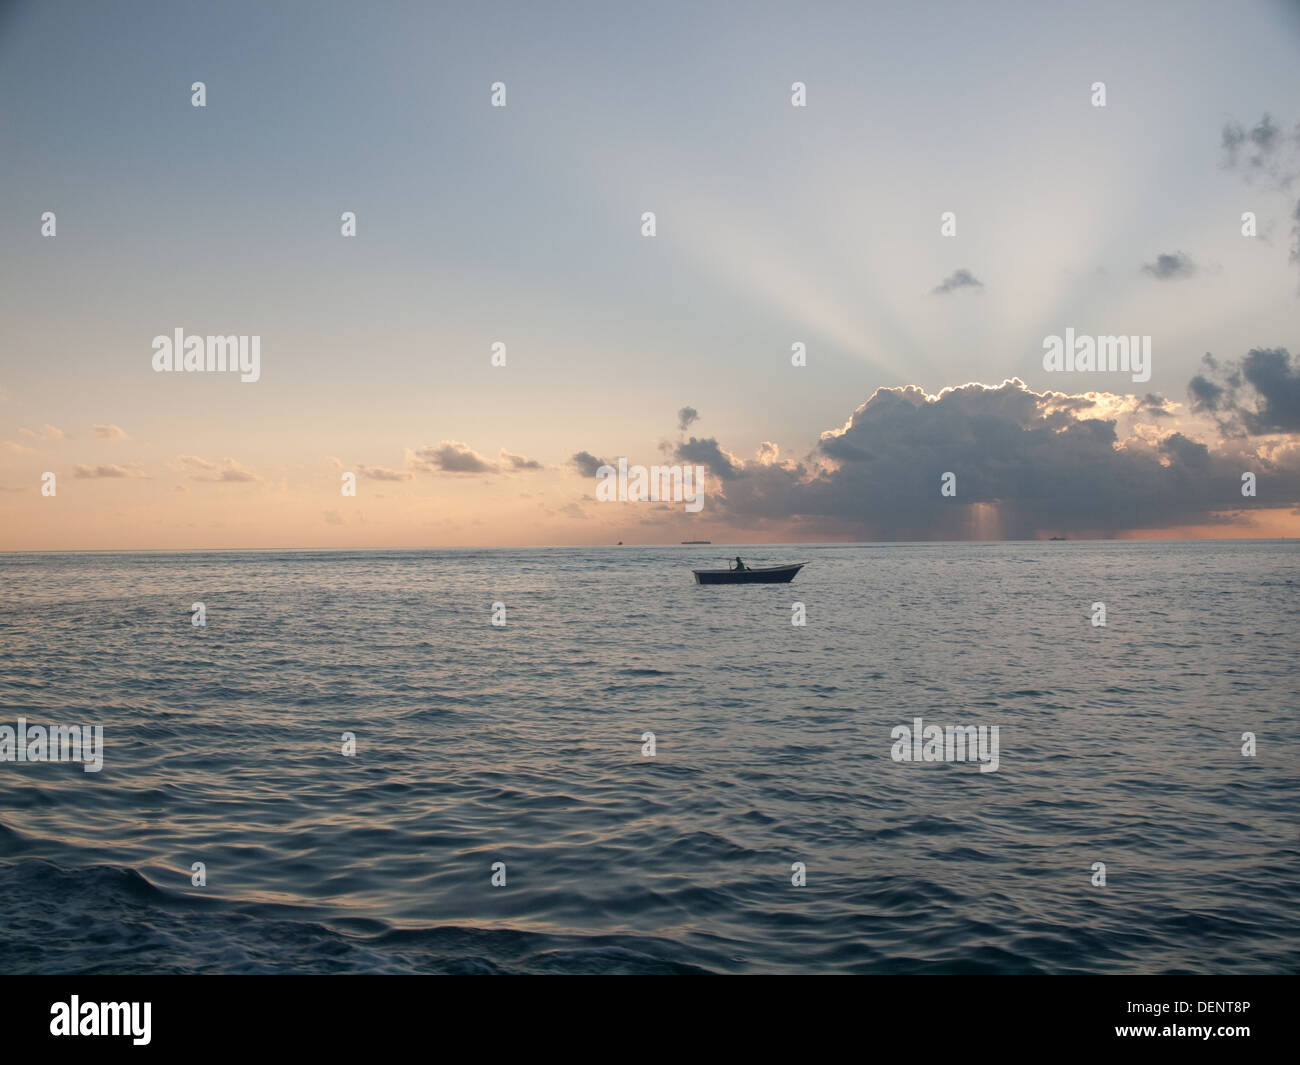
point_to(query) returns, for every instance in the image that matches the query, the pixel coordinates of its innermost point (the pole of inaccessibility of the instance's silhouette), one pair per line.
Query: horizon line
(573, 547)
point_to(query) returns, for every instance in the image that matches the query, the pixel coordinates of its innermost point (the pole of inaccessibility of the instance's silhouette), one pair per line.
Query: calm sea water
(522, 744)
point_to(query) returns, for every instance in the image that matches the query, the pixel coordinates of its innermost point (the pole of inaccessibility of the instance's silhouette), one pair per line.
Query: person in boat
(739, 564)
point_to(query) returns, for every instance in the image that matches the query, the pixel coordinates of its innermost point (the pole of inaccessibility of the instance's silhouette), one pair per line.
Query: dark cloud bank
(1050, 462)
(1260, 394)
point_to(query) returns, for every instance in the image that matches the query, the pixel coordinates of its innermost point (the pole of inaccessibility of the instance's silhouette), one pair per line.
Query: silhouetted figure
(739, 564)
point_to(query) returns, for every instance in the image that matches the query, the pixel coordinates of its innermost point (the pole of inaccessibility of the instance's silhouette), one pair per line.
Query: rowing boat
(757, 575)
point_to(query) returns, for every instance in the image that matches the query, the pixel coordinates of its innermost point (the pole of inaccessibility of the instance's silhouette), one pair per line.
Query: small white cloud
(227, 470)
(107, 471)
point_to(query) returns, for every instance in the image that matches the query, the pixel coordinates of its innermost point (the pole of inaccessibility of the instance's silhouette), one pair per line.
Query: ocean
(772, 830)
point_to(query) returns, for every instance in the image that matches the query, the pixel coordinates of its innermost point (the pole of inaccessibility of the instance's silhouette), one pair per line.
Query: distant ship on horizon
(697, 541)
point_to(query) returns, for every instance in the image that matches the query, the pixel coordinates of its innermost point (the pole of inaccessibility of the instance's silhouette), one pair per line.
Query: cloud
(709, 453)
(1026, 464)
(11, 445)
(1262, 149)
(1170, 267)
(1258, 395)
(382, 473)
(109, 432)
(225, 471)
(686, 417)
(450, 456)
(48, 432)
(1155, 405)
(519, 462)
(957, 280)
(587, 464)
(1263, 139)
(95, 472)
(1266, 150)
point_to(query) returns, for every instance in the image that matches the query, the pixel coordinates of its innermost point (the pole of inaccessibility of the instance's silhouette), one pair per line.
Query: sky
(522, 225)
